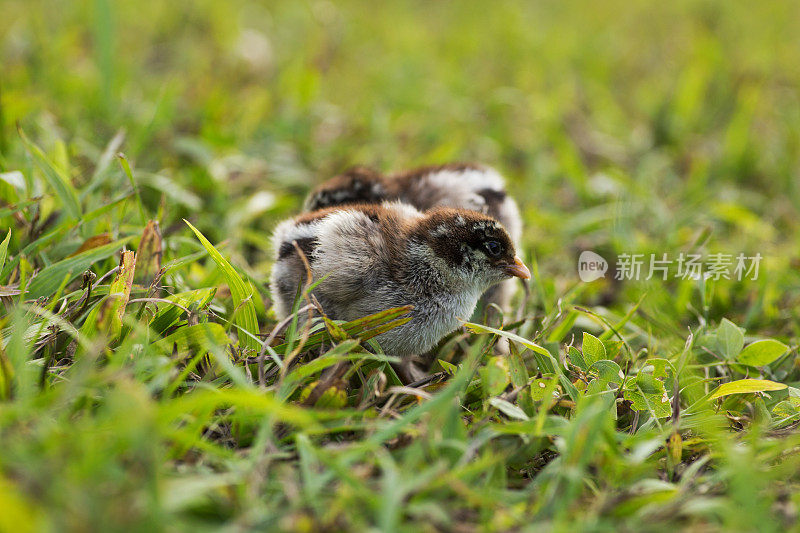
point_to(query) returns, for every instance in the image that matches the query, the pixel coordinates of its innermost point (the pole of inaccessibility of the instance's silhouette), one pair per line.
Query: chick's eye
(494, 248)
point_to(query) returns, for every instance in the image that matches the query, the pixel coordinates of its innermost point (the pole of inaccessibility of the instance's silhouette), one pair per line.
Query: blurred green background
(621, 126)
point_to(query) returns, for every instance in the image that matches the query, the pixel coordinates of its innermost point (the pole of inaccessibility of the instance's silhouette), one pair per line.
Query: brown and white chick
(378, 256)
(458, 185)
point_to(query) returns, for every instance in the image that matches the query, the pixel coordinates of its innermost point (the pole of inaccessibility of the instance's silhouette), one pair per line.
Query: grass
(147, 397)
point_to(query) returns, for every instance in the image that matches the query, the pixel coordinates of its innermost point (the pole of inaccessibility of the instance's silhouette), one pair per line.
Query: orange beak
(518, 269)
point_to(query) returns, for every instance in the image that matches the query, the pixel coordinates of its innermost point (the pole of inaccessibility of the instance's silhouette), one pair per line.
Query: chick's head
(474, 247)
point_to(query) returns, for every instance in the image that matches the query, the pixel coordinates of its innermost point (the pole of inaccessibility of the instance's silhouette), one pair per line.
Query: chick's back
(353, 248)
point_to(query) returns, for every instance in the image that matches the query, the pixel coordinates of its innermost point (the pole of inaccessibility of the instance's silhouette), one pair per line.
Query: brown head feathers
(451, 233)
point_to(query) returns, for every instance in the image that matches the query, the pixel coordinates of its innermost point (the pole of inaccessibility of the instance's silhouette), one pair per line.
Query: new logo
(591, 266)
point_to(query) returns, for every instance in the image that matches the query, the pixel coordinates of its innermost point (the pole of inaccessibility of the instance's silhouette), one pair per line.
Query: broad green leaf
(50, 278)
(649, 384)
(593, 349)
(746, 386)
(762, 352)
(244, 313)
(794, 395)
(784, 409)
(607, 372)
(576, 358)
(646, 393)
(661, 368)
(542, 388)
(55, 178)
(658, 404)
(730, 339)
(707, 340)
(596, 386)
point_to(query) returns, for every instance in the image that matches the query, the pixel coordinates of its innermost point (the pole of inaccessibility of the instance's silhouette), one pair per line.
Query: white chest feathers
(432, 320)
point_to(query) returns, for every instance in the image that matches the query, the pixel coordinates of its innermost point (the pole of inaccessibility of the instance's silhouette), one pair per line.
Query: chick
(457, 185)
(378, 256)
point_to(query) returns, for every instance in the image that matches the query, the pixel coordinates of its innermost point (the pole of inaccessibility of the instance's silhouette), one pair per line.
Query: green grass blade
(544, 358)
(168, 314)
(103, 164)
(4, 250)
(480, 328)
(363, 328)
(120, 290)
(19, 206)
(59, 231)
(126, 167)
(607, 334)
(206, 336)
(49, 278)
(244, 314)
(55, 178)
